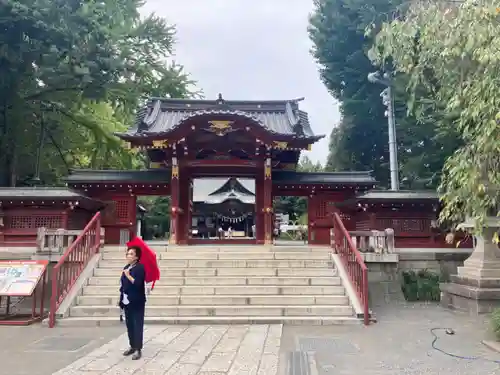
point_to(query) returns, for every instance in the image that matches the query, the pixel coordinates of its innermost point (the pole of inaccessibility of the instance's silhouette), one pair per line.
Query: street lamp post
(388, 101)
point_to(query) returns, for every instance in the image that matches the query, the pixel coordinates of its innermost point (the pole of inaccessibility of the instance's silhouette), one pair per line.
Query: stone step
(206, 255)
(197, 272)
(225, 290)
(104, 321)
(229, 311)
(215, 300)
(197, 263)
(228, 280)
(224, 248)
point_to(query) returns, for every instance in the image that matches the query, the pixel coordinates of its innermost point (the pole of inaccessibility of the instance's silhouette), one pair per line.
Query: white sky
(254, 50)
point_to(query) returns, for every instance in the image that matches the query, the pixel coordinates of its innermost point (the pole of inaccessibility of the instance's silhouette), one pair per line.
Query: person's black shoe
(128, 352)
(137, 355)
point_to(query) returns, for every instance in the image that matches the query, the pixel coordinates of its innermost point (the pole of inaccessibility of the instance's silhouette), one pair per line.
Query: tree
(360, 142)
(294, 206)
(307, 165)
(451, 55)
(337, 30)
(157, 216)
(77, 70)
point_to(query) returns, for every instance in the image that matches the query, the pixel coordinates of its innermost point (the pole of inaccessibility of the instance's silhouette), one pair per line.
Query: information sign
(20, 277)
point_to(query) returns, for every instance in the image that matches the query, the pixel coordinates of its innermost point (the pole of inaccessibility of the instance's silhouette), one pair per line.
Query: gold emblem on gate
(221, 127)
(280, 145)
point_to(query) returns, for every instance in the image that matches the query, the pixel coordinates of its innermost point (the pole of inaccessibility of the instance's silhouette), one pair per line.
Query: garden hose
(450, 331)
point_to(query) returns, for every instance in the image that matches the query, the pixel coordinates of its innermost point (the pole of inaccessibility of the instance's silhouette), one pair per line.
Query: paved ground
(194, 350)
(400, 343)
(42, 351)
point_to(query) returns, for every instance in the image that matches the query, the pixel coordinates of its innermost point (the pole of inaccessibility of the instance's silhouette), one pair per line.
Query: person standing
(133, 300)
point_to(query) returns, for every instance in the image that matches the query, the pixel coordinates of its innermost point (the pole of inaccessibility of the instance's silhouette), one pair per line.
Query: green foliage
(157, 216)
(296, 207)
(77, 70)
(450, 55)
(420, 285)
(337, 30)
(495, 323)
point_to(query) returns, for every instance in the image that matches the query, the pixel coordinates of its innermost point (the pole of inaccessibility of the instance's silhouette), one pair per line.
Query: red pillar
(184, 207)
(174, 203)
(312, 203)
(267, 202)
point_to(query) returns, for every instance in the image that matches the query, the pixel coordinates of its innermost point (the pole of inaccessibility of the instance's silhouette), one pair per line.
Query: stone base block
(466, 295)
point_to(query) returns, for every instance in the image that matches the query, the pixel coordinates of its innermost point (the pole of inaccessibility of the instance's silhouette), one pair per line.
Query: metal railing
(73, 262)
(353, 263)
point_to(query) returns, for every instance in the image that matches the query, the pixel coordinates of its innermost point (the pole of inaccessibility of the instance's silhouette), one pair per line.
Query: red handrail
(73, 262)
(353, 262)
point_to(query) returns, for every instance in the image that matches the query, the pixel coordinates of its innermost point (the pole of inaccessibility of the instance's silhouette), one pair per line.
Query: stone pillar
(267, 202)
(476, 287)
(174, 203)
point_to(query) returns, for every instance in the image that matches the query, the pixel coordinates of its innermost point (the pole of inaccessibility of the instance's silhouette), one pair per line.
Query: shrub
(421, 285)
(495, 322)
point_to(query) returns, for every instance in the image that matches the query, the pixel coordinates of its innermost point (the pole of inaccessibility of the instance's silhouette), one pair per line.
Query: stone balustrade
(56, 241)
(374, 241)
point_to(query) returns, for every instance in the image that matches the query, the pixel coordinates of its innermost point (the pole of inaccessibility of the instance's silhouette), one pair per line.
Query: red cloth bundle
(148, 260)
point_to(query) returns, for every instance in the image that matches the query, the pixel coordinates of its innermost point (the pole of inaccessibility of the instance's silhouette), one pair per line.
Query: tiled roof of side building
(292, 177)
(162, 176)
(38, 192)
(49, 194)
(399, 195)
(157, 176)
(163, 115)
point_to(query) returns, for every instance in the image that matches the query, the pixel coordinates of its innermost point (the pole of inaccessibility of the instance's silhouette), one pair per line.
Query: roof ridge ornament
(220, 100)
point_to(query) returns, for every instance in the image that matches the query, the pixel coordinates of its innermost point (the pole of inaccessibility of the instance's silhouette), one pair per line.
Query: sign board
(282, 218)
(19, 278)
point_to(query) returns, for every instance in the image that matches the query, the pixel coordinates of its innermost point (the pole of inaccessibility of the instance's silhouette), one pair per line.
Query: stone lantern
(476, 287)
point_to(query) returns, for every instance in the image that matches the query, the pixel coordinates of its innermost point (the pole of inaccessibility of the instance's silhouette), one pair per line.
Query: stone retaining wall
(384, 270)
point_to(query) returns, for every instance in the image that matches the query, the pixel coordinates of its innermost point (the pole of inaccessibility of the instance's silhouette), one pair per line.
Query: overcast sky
(254, 50)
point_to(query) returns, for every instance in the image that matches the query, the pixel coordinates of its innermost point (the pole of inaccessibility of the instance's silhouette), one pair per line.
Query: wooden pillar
(184, 217)
(174, 203)
(372, 220)
(132, 206)
(65, 217)
(2, 223)
(267, 202)
(312, 203)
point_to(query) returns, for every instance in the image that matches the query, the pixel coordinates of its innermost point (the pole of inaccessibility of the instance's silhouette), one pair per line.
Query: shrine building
(231, 142)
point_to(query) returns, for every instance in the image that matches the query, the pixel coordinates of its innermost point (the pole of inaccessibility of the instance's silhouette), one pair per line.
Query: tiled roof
(205, 189)
(157, 176)
(38, 192)
(162, 176)
(234, 184)
(48, 193)
(230, 195)
(161, 116)
(292, 177)
(399, 195)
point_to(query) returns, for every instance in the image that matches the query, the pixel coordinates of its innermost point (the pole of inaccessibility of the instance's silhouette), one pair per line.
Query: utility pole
(388, 101)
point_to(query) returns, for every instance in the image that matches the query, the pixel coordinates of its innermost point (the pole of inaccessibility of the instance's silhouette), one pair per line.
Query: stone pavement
(189, 350)
(400, 343)
(40, 350)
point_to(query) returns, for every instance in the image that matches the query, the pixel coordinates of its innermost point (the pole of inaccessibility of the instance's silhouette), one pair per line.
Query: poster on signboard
(19, 278)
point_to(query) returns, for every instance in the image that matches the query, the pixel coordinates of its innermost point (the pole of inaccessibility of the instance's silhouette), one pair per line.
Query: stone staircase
(225, 284)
